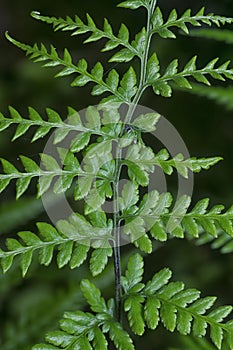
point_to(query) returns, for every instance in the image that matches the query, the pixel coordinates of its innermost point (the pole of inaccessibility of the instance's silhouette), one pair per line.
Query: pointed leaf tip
(35, 13)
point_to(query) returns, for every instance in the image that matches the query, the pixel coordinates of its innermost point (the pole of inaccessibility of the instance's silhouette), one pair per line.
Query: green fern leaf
(99, 341)
(161, 85)
(146, 122)
(42, 54)
(128, 84)
(101, 170)
(156, 217)
(159, 300)
(163, 28)
(129, 196)
(87, 331)
(220, 95)
(74, 123)
(72, 238)
(215, 34)
(159, 280)
(93, 297)
(153, 68)
(77, 26)
(223, 241)
(136, 173)
(151, 313)
(133, 277)
(133, 5)
(32, 170)
(119, 337)
(99, 259)
(176, 307)
(79, 255)
(133, 306)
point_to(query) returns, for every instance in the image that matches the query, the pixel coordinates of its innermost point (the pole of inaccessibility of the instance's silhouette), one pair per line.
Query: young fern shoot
(109, 139)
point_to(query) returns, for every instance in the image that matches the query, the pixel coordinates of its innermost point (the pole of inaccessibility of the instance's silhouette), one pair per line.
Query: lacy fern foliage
(146, 305)
(73, 239)
(102, 147)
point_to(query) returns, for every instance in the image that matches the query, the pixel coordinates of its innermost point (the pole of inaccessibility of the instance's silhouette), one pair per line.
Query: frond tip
(161, 83)
(163, 27)
(111, 84)
(78, 27)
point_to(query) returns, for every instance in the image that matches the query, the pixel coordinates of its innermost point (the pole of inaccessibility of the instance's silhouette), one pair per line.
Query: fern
(168, 302)
(74, 123)
(146, 305)
(127, 89)
(161, 27)
(121, 94)
(218, 94)
(216, 34)
(70, 167)
(105, 146)
(223, 242)
(161, 85)
(33, 170)
(52, 169)
(77, 26)
(73, 239)
(153, 215)
(85, 330)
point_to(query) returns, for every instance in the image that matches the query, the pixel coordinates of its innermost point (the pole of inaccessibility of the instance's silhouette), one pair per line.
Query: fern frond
(215, 34)
(54, 121)
(153, 214)
(135, 4)
(218, 94)
(97, 122)
(84, 330)
(95, 175)
(223, 241)
(122, 92)
(142, 157)
(176, 307)
(160, 83)
(73, 239)
(163, 27)
(77, 26)
(184, 165)
(45, 177)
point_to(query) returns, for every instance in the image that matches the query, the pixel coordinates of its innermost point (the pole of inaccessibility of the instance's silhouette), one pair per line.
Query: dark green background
(31, 307)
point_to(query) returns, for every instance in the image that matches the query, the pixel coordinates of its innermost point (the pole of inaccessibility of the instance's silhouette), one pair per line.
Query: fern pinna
(105, 142)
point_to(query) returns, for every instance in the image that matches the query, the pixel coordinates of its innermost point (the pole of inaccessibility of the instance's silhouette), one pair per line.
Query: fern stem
(129, 115)
(118, 288)
(117, 238)
(142, 83)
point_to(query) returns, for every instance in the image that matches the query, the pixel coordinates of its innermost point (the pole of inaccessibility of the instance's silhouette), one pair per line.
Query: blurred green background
(31, 307)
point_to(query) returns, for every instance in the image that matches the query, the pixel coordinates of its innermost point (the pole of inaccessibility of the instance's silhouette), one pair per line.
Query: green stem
(142, 83)
(117, 238)
(129, 115)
